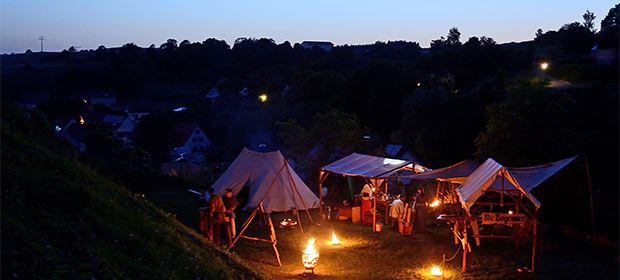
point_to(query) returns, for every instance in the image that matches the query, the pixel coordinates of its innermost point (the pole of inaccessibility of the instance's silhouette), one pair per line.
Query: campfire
(435, 203)
(435, 271)
(335, 240)
(81, 120)
(310, 256)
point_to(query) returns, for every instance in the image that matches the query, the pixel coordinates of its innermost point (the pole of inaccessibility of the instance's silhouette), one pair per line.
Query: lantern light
(510, 212)
(262, 97)
(544, 66)
(435, 203)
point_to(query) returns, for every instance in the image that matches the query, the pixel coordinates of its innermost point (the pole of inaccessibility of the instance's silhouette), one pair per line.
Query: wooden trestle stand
(272, 232)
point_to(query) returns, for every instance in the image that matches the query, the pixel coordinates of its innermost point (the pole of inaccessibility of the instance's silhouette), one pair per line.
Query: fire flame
(436, 271)
(435, 203)
(335, 240)
(310, 255)
(82, 120)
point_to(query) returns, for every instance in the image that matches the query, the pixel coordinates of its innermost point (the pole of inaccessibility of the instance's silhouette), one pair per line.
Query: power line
(42, 38)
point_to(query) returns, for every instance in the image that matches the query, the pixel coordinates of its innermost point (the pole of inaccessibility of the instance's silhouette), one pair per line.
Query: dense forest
(457, 99)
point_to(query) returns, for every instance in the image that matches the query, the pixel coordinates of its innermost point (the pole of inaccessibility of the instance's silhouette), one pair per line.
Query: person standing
(217, 214)
(230, 202)
(420, 207)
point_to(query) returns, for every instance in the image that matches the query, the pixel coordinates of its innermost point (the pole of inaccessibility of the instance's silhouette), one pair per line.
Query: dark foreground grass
(387, 255)
(63, 220)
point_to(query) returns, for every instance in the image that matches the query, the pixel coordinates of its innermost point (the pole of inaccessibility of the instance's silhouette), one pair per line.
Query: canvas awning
(456, 173)
(494, 176)
(366, 166)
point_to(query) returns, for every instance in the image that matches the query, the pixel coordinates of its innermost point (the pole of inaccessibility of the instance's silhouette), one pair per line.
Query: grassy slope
(62, 220)
(387, 255)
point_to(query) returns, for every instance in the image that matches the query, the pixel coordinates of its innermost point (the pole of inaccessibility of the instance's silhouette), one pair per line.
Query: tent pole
(501, 195)
(245, 226)
(590, 192)
(260, 207)
(374, 212)
(272, 235)
(294, 186)
(534, 241)
(321, 193)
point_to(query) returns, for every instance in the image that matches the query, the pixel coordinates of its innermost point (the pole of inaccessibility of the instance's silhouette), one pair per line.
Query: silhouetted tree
(539, 33)
(170, 44)
(588, 21)
(454, 37)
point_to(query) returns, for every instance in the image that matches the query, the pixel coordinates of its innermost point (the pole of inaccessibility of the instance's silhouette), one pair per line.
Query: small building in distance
(401, 152)
(191, 138)
(103, 97)
(327, 46)
(76, 134)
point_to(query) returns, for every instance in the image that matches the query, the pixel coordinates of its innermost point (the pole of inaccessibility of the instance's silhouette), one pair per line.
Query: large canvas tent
(513, 183)
(259, 171)
(274, 186)
(495, 177)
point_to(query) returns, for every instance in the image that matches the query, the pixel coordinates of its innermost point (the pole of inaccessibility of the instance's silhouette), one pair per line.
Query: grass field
(387, 255)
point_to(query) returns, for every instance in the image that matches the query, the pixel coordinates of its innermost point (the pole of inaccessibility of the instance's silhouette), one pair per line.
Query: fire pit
(310, 256)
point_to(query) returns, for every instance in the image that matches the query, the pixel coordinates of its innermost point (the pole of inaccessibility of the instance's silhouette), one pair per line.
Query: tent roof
(489, 176)
(454, 173)
(259, 171)
(365, 166)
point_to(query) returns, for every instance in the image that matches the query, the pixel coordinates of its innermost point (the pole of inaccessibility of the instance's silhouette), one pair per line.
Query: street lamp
(544, 66)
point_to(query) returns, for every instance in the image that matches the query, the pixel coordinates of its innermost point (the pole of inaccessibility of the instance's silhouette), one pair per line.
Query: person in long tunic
(420, 207)
(217, 214)
(230, 202)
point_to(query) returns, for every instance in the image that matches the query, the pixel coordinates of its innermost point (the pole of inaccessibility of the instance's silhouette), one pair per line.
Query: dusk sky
(112, 23)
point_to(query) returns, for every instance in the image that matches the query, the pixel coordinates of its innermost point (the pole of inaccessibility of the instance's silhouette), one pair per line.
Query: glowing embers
(436, 271)
(288, 223)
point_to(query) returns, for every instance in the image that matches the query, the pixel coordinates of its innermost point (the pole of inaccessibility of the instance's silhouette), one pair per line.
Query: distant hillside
(62, 220)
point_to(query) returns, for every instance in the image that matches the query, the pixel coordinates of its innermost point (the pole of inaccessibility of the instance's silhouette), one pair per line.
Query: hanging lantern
(310, 256)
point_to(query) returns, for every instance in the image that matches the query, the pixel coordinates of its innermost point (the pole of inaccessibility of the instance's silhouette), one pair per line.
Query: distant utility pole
(42, 38)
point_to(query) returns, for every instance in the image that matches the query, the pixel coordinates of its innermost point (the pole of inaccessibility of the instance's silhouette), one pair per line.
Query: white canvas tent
(258, 171)
(274, 186)
(494, 176)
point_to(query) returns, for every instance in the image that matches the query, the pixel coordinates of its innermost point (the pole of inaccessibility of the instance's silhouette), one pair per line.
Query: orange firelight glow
(335, 240)
(435, 203)
(436, 271)
(82, 120)
(510, 212)
(310, 255)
